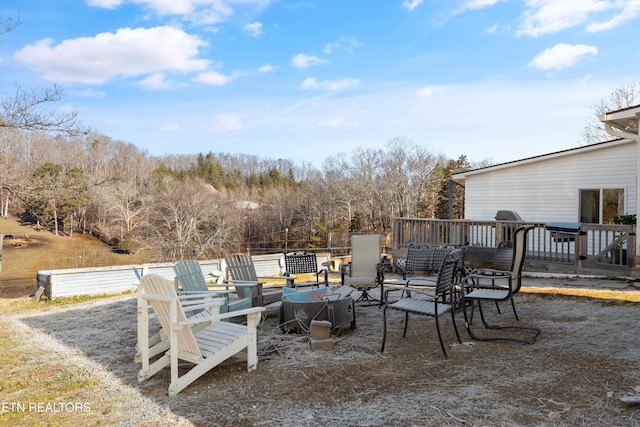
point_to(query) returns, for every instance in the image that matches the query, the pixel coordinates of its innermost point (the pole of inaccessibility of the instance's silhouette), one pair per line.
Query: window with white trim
(601, 205)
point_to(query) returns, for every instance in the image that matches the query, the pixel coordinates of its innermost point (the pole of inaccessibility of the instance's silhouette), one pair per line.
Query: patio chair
(479, 288)
(305, 262)
(364, 271)
(190, 279)
(205, 346)
(159, 343)
(425, 258)
(500, 266)
(241, 272)
(434, 302)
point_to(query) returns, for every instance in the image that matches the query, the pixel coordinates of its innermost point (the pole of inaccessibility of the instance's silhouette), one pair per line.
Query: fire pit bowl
(299, 308)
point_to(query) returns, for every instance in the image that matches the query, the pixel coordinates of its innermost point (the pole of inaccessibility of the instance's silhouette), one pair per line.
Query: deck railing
(593, 249)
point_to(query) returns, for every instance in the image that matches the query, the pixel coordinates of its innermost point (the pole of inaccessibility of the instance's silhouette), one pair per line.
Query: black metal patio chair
(432, 302)
(480, 288)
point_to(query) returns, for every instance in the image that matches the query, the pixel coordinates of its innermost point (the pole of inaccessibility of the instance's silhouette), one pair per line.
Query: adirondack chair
(190, 278)
(241, 272)
(204, 340)
(159, 342)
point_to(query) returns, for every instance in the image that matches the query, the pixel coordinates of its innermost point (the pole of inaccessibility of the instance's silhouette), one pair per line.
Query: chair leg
(534, 331)
(371, 301)
(406, 324)
(455, 325)
(513, 306)
(384, 328)
(444, 351)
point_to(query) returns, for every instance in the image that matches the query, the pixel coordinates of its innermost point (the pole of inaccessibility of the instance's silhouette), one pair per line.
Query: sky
(303, 80)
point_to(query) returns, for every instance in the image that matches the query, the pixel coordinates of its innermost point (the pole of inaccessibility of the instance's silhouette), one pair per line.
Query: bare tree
(8, 24)
(26, 110)
(625, 96)
(188, 219)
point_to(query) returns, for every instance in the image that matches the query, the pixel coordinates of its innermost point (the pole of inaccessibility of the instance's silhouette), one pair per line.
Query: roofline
(621, 110)
(582, 149)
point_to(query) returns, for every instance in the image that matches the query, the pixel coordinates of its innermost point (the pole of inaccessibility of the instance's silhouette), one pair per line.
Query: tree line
(210, 204)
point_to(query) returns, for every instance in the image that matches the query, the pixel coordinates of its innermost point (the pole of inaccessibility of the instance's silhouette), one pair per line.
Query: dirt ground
(586, 358)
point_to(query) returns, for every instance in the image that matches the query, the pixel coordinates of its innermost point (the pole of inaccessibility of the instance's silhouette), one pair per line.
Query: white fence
(122, 278)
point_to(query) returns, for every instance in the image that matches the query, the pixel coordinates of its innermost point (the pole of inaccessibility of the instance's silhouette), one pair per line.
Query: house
(587, 184)
(591, 183)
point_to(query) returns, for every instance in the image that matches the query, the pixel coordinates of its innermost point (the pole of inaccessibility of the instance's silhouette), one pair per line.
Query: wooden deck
(607, 250)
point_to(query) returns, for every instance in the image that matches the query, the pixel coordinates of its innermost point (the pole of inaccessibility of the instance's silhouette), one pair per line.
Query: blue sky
(307, 79)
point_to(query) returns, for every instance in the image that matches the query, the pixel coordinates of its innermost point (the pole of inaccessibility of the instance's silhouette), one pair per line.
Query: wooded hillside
(211, 204)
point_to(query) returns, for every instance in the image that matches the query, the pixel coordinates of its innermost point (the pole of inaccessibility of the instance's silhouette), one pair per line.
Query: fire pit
(299, 308)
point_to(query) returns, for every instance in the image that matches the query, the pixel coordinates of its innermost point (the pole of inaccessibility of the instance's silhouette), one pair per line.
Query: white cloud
(340, 123)
(480, 4)
(155, 82)
(254, 29)
(551, 16)
(108, 4)
(630, 10)
(128, 52)
(330, 85)
(346, 43)
(561, 56)
(330, 47)
(196, 11)
(302, 60)
(428, 91)
(227, 123)
(266, 68)
(212, 78)
(411, 4)
(492, 29)
(172, 127)
(89, 93)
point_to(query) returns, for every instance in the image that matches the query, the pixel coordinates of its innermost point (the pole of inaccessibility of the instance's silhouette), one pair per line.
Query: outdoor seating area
(455, 290)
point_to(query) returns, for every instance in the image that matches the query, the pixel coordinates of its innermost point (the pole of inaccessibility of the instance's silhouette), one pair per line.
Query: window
(600, 206)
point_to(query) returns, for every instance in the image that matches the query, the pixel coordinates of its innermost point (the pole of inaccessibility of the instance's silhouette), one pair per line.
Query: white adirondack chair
(204, 340)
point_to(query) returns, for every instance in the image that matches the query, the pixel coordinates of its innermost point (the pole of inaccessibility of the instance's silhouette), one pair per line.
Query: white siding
(548, 189)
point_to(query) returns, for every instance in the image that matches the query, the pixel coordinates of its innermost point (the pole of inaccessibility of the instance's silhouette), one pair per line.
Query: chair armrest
(244, 283)
(491, 272)
(215, 317)
(421, 282)
(206, 300)
(278, 277)
(192, 294)
(396, 288)
(476, 280)
(192, 306)
(187, 295)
